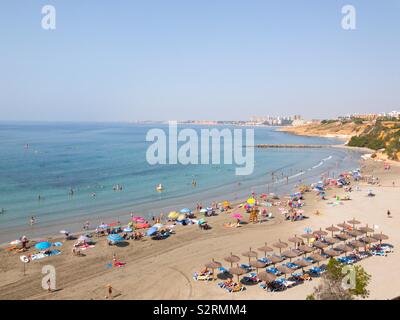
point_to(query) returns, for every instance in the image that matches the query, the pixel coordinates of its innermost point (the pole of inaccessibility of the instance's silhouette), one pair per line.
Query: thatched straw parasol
(291, 254)
(380, 237)
(275, 259)
(295, 239)
(280, 245)
(258, 264)
(343, 236)
(369, 240)
(332, 240)
(332, 253)
(344, 225)
(213, 265)
(333, 229)
(353, 222)
(302, 263)
(265, 249)
(320, 245)
(320, 232)
(250, 254)
(344, 248)
(285, 270)
(232, 259)
(306, 249)
(266, 276)
(237, 271)
(366, 229)
(355, 233)
(317, 257)
(308, 236)
(357, 244)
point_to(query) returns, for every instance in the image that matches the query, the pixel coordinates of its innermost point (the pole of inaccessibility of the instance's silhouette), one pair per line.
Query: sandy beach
(163, 269)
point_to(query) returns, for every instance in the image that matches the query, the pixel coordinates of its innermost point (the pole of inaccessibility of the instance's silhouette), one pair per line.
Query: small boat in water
(160, 188)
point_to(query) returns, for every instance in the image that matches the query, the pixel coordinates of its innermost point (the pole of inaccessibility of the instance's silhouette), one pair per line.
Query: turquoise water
(92, 158)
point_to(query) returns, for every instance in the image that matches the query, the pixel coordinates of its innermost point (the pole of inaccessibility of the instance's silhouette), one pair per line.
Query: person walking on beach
(33, 221)
(389, 214)
(109, 291)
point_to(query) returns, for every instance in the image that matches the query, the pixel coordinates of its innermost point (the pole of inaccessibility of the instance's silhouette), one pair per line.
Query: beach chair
(235, 288)
(247, 267)
(265, 260)
(275, 286)
(202, 277)
(273, 270)
(292, 265)
(251, 279)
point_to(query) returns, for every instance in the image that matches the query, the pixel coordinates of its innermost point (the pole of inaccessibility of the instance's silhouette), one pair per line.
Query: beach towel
(57, 244)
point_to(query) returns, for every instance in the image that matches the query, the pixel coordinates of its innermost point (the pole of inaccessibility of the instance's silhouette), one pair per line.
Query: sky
(128, 60)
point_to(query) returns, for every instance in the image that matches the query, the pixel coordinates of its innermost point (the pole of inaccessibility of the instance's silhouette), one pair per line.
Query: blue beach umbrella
(115, 238)
(43, 245)
(128, 229)
(185, 210)
(151, 231)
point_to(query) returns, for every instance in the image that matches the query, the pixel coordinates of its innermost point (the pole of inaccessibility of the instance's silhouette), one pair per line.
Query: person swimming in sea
(194, 184)
(2, 211)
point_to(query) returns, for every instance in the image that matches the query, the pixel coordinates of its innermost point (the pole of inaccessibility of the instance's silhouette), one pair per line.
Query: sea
(40, 163)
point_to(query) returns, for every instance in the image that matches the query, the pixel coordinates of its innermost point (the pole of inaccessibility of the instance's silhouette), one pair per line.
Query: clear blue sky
(197, 59)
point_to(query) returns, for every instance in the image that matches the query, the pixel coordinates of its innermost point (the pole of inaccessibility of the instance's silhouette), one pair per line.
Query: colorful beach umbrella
(251, 201)
(43, 245)
(185, 210)
(138, 219)
(115, 238)
(173, 215)
(237, 216)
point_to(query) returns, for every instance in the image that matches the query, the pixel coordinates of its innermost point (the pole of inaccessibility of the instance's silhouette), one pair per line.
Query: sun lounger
(275, 286)
(265, 260)
(292, 265)
(273, 270)
(236, 288)
(202, 277)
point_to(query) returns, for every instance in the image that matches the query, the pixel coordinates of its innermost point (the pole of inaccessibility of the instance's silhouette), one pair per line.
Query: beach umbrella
(343, 236)
(128, 229)
(64, 232)
(237, 216)
(331, 240)
(250, 254)
(181, 217)
(345, 248)
(366, 229)
(43, 245)
(275, 259)
(103, 226)
(295, 239)
(344, 225)
(320, 245)
(333, 229)
(320, 232)
(306, 249)
(285, 270)
(368, 240)
(232, 259)
(308, 236)
(317, 257)
(332, 253)
(83, 238)
(380, 237)
(266, 276)
(15, 242)
(280, 245)
(204, 210)
(265, 249)
(138, 219)
(115, 238)
(357, 244)
(251, 201)
(173, 215)
(226, 204)
(185, 210)
(355, 233)
(213, 265)
(158, 226)
(291, 254)
(302, 263)
(151, 231)
(237, 271)
(258, 264)
(353, 222)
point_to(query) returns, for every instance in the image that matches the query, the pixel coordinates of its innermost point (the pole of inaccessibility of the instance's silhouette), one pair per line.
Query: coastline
(163, 269)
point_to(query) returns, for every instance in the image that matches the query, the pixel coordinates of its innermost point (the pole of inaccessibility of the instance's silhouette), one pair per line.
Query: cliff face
(328, 129)
(373, 135)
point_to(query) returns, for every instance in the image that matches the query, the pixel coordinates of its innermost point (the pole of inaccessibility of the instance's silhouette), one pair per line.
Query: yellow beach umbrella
(226, 204)
(181, 217)
(173, 215)
(251, 201)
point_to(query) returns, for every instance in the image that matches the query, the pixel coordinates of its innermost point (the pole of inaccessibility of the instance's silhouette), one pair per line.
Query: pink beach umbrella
(237, 216)
(138, 219)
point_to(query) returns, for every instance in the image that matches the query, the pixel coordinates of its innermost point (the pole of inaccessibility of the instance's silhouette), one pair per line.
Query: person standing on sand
(109, 291)
(389, 214)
